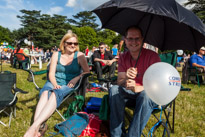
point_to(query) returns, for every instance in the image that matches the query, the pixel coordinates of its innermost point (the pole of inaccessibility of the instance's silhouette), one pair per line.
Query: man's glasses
(71, 43)
(101, 47)
(133, 39)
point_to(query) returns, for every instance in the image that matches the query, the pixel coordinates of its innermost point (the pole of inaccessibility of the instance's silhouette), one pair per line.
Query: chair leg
(197, 77)
(60, 115)
(14, 110)
(2, 123)
(173, 120)
(10, 117)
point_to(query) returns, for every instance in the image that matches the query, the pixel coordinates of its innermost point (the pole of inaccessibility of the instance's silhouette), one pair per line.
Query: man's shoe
(194, 82)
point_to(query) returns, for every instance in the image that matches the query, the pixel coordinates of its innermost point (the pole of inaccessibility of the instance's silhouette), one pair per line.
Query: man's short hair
(101, 43)
(135, 27)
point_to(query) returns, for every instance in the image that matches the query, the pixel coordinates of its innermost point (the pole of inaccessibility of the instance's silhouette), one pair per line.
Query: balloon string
(152, 129)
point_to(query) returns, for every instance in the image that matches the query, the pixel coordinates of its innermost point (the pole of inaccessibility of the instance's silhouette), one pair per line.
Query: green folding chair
(8, 95)
(191, 73)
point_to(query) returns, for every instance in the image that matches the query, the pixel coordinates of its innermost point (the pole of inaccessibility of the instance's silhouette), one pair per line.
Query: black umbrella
(165, 23)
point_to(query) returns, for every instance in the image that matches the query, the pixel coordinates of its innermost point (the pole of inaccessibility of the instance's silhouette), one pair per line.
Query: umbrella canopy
(165, 23)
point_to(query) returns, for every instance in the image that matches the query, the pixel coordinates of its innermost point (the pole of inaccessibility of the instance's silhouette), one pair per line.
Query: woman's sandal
(43, 129)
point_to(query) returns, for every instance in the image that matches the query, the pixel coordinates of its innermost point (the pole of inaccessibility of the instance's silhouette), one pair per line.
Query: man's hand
(131, 73)
(109, 62)
(131, 85)
(104, 61)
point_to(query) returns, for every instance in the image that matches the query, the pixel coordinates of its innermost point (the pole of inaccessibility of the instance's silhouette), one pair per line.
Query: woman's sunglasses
(71, 43)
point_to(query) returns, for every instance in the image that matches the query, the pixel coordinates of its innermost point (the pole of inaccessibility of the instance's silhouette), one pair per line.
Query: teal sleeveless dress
(64, 73)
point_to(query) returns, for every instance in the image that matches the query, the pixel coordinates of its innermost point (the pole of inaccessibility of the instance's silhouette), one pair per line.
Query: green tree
(86, 36)
(84, 18)
(51, 30)
(106, 36)
(198, 8)
(44, 30)
(29, 21)
(116, 40)
(5, 35)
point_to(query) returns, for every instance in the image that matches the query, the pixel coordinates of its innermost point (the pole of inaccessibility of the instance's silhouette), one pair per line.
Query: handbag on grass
(73, 126)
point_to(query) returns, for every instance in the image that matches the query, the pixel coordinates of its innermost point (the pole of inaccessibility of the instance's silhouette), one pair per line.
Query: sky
(9, 9)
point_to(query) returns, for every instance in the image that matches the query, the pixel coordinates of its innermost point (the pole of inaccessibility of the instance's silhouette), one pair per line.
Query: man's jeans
(103, 69)
(119, 97)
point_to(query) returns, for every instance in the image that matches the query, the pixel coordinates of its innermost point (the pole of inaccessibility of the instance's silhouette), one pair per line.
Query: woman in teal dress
(66, 68)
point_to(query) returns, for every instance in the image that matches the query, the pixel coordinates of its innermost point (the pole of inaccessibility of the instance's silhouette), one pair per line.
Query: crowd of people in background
(7, 54)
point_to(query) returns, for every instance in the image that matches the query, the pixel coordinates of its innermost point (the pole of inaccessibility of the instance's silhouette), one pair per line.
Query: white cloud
(9, 10)
(91, 4)
(12, 5)
(71, 3)
(84, 4)
(55, 10)
(9, 21)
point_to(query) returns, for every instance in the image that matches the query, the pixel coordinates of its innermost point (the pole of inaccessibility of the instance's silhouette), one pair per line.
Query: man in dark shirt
(104, 61)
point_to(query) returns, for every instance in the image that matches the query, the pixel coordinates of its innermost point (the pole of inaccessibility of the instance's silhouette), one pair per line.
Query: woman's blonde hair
(68, 35)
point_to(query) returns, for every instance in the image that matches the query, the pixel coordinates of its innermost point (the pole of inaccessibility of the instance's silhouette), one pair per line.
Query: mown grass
(189, 117)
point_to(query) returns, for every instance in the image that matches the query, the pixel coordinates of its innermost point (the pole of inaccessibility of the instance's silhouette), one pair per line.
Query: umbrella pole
(144, 39)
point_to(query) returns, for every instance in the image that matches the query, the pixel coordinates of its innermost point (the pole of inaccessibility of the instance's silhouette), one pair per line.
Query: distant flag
(32, 45)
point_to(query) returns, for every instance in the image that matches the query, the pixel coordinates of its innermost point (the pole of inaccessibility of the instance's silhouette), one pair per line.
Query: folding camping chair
(78, 90)
(190, 73)
(8, 94)
(166, 125)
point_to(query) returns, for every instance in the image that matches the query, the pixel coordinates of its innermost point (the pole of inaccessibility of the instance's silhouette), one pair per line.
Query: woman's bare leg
(46, 112)
(41, 104)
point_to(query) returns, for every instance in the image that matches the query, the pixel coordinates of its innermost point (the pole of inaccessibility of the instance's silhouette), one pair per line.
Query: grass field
(189, 117)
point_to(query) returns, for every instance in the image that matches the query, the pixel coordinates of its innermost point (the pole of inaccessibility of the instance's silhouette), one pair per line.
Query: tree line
(46, 31)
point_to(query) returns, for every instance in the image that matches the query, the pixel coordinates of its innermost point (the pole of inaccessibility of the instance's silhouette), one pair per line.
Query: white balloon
(162, 83)
(29, 43)
(26, 41)
(180, 52)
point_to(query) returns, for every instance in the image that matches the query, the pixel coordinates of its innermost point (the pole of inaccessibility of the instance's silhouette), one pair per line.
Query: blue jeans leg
(118, 98)
(117, 106)
(143, 110)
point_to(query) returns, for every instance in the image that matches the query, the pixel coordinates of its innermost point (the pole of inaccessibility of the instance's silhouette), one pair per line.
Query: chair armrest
(19, 90)
(82, 79)
(86, 75)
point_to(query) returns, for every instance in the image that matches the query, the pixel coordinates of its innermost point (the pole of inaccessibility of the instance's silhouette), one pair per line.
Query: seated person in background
(20, 57)
(65, 71)
(130, 87)
(104, 61)
(47, 55)
(90, 54)
(198, 60)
